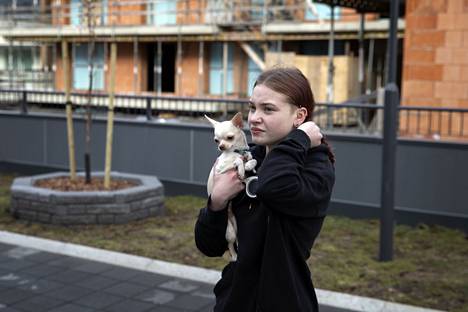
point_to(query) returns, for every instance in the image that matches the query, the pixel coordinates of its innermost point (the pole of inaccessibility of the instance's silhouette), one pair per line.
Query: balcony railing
(350, 118)
(160, 12)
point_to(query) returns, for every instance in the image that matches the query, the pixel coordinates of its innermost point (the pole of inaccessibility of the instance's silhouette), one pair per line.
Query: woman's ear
(301, 115)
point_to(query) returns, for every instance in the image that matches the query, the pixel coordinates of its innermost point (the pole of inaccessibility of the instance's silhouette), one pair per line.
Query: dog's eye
(216, 140)
(230, 137)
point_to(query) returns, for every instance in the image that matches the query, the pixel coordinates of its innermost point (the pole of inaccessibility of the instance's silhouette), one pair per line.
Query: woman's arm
(295, 179)
(210, 231)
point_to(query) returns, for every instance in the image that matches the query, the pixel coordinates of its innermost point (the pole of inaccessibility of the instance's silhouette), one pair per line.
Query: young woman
(277, 228)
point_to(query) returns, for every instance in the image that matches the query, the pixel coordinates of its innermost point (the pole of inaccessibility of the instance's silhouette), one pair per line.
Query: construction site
(214, 50)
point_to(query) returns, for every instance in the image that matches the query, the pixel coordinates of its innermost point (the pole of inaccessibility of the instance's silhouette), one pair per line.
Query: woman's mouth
(256, 131)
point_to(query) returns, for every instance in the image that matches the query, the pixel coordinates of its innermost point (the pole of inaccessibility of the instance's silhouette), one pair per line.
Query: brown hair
(290, 82)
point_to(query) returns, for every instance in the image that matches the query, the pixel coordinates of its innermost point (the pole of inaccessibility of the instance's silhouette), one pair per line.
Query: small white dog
(232, 142)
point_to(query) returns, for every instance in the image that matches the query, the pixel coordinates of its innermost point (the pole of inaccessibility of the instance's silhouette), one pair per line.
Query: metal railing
(159, 12)
(348, 118)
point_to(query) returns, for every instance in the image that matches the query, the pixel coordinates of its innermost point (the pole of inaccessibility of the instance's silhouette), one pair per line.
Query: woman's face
(271, 117)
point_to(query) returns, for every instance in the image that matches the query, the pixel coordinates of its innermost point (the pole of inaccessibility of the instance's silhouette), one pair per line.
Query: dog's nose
(222, 147)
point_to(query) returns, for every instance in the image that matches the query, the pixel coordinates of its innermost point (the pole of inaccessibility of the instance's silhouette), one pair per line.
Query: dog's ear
(237, 120)
(213, 122)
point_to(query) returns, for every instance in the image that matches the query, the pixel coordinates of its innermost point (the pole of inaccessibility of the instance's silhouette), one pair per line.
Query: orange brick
(450, 90)
(424, 72)
(449, 103)
(446, 21)
(421, 22)
(430, 38)
(463, 104)
(465, 38)
(455, 6)
(464, 73)
(443, 56)
(419, 56)
(415, 88)
(452, 73)
(454, 38)
(459, 56)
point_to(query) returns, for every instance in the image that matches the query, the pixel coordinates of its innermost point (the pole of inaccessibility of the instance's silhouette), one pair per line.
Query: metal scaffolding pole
(158, 67)
(201, 85)
(331, 52)
(361, 54)
(179, 66)
(392, 102)
(135, 64)
(370, 64)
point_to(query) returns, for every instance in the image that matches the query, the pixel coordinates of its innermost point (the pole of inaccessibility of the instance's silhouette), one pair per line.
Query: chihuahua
(235, 154)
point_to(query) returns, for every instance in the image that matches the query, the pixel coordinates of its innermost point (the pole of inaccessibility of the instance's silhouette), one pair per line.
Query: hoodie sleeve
(210, 231)
(295, 179)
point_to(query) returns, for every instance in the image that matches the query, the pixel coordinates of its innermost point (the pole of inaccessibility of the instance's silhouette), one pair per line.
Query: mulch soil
(65, 184)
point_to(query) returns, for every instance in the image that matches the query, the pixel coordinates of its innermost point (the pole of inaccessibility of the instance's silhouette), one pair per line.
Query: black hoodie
(276, 230)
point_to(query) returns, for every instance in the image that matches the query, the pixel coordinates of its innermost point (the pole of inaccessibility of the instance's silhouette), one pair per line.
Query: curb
(325, 297)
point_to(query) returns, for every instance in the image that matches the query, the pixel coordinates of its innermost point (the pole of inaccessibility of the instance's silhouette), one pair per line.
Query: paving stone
(130, 305)
(179, 285)
(37, 304)
(41, 286)
(97, 282)
(99, 300)
(4, 258)
(12, 295)
(126, 289)
(15, 279)
(157, 296)
(68, 262)
(120, 273)
(190, 303)
(72, 308)
(21, 252)
(69, 276)
(40, 270)
(94, 267)
(14, 264)
(150, 279)
(44, 257)
(8, 309)
(68, 293)
(166, 309)
(4, 247)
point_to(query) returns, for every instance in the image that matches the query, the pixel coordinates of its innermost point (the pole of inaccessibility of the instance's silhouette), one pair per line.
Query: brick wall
(435, 62)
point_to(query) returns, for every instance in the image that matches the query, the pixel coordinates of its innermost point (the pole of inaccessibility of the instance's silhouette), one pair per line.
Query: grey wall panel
(358, 171)
(205, 154)
(432, 177)
(168, 153)
(22, 139)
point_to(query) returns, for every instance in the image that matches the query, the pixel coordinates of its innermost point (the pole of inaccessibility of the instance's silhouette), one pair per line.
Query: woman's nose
(254, 117)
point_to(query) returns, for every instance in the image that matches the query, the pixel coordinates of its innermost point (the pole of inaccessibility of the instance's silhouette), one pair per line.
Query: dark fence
(430, 175)
(353, 117)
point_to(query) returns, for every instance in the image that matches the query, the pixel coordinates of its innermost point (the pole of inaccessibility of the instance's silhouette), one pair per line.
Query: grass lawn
(430, 267)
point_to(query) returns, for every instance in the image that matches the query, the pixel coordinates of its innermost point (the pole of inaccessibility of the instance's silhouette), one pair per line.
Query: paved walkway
(33, 281)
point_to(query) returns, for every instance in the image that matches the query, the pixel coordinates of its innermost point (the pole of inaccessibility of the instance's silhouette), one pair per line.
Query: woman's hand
(313, 132)
(225, 187)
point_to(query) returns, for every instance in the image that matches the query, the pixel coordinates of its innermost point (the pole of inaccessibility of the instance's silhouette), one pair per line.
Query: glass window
(163, 12)
(80, 67)
(216, 69)
(323, 10)
(253, 70)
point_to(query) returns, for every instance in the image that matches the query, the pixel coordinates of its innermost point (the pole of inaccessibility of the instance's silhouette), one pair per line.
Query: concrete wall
(430, 186)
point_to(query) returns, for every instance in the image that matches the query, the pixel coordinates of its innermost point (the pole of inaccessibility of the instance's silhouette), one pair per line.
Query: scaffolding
(271, 23)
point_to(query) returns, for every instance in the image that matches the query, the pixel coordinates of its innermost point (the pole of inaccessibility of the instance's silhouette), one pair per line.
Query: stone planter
(32, 203)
